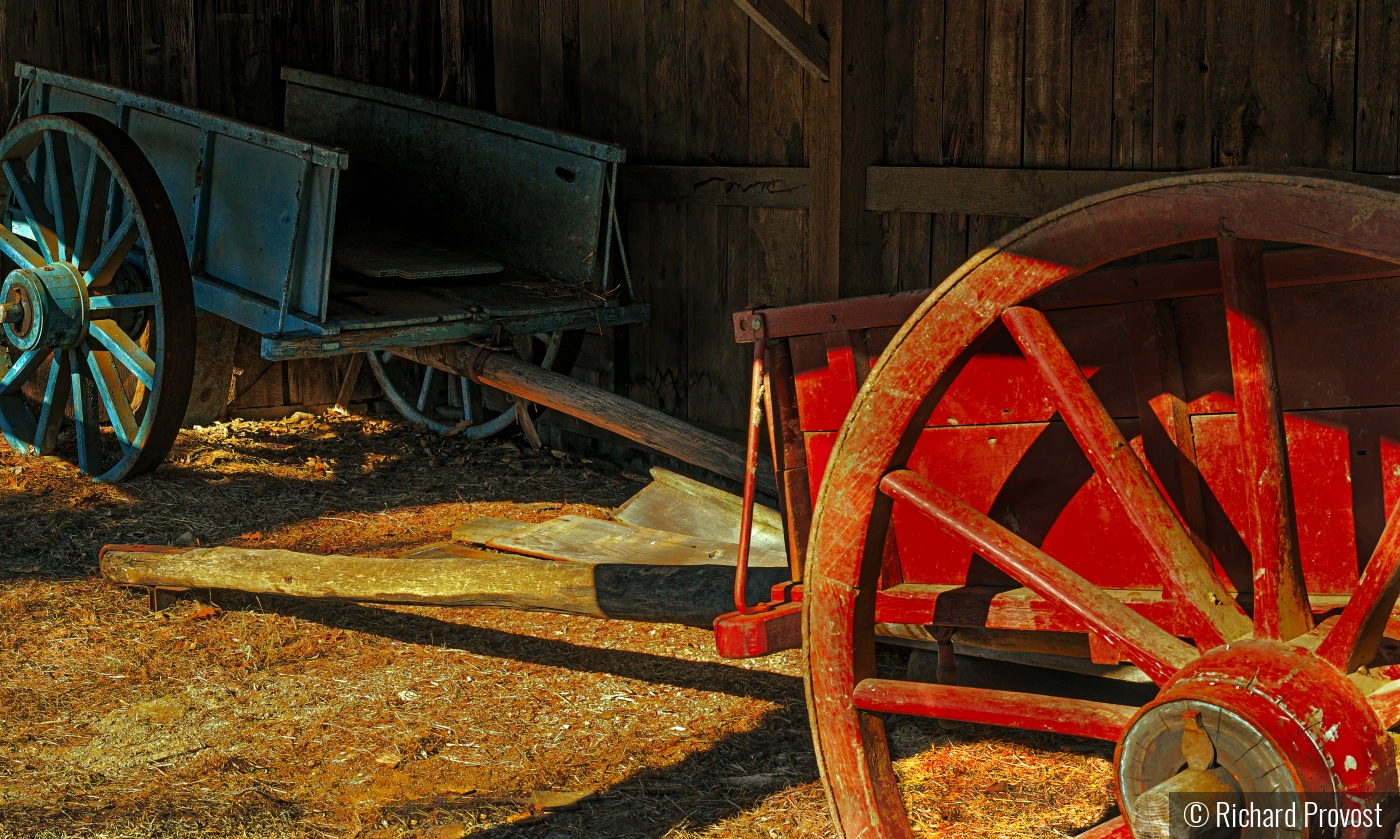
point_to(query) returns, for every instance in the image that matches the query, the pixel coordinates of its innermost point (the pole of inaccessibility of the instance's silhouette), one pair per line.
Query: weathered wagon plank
(693, 595)
(681, 505)
(595, 542)
(482, 530)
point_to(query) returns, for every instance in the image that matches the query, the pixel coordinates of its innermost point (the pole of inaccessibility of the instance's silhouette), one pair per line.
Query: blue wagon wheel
(97, 309)
(442, 402)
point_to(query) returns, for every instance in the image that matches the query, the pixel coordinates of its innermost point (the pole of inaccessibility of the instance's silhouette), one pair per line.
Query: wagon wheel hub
(1275, 718)
(44, 307)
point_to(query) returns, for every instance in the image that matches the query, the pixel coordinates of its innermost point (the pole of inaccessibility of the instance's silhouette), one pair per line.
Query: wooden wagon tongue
(629, 568)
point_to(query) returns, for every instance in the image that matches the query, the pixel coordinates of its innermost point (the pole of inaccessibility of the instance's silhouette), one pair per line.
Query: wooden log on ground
(689, 594)
(632, 420)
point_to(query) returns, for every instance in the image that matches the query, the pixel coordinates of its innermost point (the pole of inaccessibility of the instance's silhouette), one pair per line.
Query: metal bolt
(11, 312)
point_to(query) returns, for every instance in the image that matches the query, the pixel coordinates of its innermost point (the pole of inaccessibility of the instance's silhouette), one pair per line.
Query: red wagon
(1193, 463)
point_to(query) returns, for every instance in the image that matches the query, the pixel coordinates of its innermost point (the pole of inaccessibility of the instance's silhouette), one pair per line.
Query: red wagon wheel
(1260, 698)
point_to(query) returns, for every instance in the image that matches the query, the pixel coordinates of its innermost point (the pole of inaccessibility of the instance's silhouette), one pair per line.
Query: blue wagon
(128, 214)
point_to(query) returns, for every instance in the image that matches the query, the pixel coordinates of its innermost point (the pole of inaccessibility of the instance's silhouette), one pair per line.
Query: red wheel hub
(1280, 719)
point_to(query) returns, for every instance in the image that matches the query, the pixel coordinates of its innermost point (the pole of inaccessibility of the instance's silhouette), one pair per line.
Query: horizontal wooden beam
(1020, 193)
(1283, 268)
(794, 34)
(736, 186)
(1103, 287)
(1076, 717)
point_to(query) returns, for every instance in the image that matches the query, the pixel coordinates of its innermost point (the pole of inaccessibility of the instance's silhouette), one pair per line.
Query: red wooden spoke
(1031, 711)
(1212, 612)
(1157, 652)
(1280, 595)
(1353, 640)
(1386, 703)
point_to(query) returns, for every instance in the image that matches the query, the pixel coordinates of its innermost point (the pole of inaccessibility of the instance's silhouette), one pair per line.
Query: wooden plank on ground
(448, 576)
(681, 505)
(596, 542)
(483, 530)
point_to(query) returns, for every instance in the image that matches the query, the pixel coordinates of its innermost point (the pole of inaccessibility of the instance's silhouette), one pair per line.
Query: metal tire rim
(558, 356)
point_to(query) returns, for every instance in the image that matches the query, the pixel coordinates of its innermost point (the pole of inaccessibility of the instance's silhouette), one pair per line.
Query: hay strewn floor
(288, 719)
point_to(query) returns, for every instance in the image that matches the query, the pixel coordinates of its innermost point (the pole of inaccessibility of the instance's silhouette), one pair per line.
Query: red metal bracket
(769, 628)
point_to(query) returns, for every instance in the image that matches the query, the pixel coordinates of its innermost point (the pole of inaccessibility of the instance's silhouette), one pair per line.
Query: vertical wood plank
(551, 66)
(962, 120)
(906, 236)
(570, 37)
(1180, 121)
(629, 62)
(1330, 66)
(662, 262)
(843, 134)
(962, 83)
(1047, 85)
(1377, 93)
(667, 106)
(777, 244)
(1091, 84)
(1005, 75)
(1133, 22)
(928, 88)
(597, 99)
(716, 48)
(1002, 105)
(901, 56)
(516, 27)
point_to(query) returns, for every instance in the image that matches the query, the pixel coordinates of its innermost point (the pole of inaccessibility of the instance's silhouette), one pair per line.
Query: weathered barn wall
(226, 56)
(682, 83)
(1041, 84)
(1132, 84)
(1161, 85)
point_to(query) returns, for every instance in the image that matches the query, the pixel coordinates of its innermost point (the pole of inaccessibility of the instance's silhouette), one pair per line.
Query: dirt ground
(299, 719)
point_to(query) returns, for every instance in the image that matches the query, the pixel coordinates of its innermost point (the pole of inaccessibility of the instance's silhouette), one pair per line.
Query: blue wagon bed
(377, 220)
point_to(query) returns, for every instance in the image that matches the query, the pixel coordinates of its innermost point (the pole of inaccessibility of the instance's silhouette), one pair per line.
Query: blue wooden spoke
(114, 396)
(36, 215)
(93, 211)
(110, 259)
(63, 198)
(17, 249)
(85, 416)
(56, 397)
(125, 350)
(111, 302)
(22, 369)
(426, 390)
